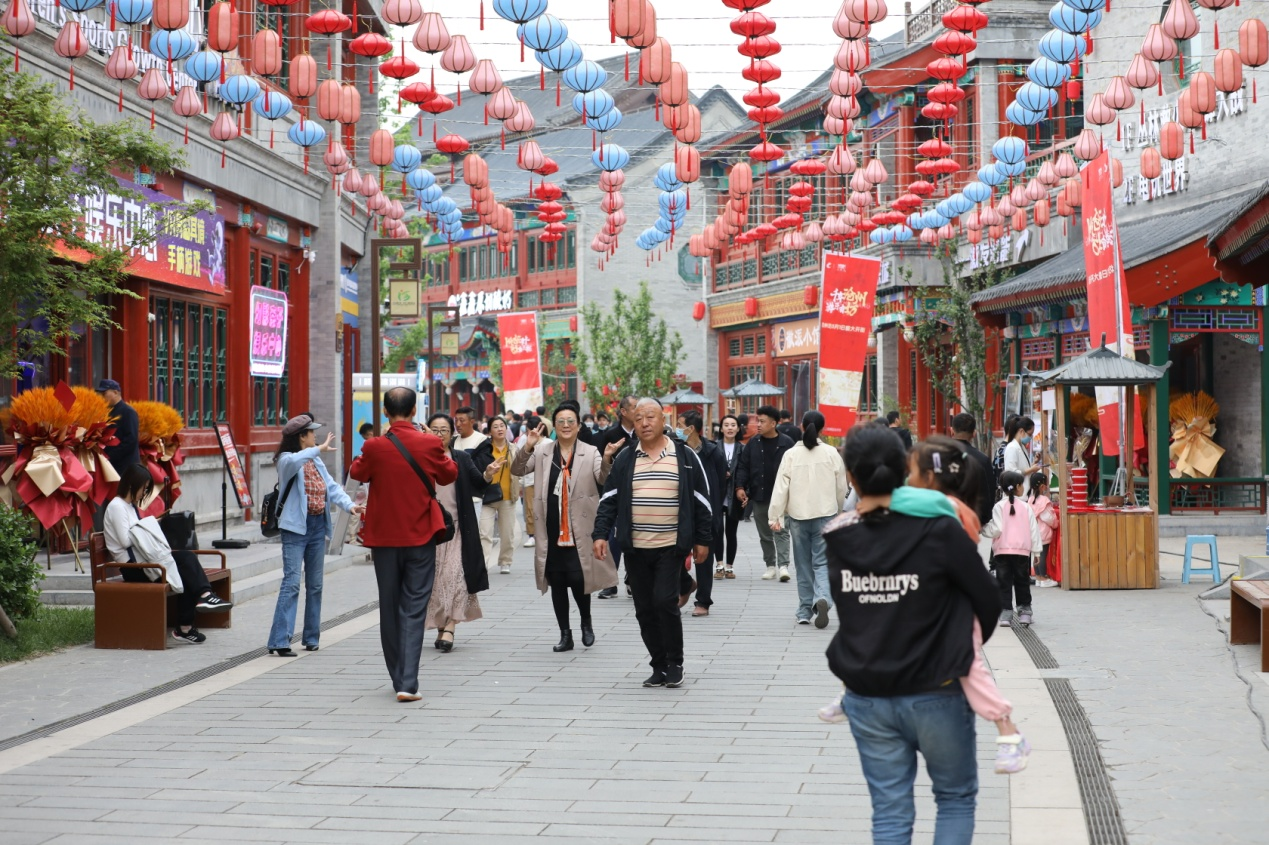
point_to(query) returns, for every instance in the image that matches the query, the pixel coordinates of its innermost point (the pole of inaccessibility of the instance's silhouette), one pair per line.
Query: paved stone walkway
(510, 742)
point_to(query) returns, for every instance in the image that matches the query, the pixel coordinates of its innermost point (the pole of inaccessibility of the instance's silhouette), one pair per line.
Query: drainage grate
(1040, 654)
(162, 689)
(1101, 808)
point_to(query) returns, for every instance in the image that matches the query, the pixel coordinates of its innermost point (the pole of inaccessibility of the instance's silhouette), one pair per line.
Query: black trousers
(1013, 573)
(405, 575)
(656, 578)
(193, 578)
(727, 541)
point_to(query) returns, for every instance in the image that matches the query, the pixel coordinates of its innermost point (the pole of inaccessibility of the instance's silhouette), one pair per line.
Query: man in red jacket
(401, 526)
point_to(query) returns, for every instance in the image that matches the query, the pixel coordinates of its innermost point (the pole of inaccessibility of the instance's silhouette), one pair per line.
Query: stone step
(1227, 525)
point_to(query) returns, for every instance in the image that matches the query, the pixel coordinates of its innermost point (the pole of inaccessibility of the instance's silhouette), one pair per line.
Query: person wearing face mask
(1018, 453)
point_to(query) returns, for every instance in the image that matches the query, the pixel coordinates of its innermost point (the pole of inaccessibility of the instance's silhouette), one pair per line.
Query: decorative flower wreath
(159, 428)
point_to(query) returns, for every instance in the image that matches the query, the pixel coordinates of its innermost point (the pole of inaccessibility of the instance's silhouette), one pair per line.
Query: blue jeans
(309, 550)
(810, 560)
(889, 732)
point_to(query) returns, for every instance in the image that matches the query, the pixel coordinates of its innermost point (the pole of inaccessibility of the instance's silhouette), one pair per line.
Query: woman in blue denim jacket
(305, 521)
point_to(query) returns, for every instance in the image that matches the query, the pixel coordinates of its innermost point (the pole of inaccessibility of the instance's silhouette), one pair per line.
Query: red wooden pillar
(132, 342)
(298, 334)
(239, 389)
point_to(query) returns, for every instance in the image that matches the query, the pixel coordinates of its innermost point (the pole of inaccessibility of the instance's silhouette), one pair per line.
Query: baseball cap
(301, 423)
(107, 384)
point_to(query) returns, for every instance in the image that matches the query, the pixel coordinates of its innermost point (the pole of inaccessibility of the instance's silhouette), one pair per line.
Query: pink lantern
(522, 120)
(458, 58)
(187, 104)
(120, 66)
(432, 36)
(352, 181)
(171, 14)
(18, 22)
(402, 12)
(71, 44)
(865, 11)
(222, 28)
(266, 52)
(655, 61)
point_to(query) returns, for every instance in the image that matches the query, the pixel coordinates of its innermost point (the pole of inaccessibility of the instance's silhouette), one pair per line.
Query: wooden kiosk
(1108, 548)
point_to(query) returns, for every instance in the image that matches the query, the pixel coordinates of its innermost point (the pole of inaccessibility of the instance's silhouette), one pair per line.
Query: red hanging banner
(1109, 314)
(846, 307)
(521, 363)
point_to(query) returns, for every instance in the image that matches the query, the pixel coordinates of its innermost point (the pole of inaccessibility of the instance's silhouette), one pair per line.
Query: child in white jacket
(1015, 534)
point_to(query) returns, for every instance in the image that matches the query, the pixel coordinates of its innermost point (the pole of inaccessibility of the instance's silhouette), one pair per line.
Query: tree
(627, 349)
(51, 157)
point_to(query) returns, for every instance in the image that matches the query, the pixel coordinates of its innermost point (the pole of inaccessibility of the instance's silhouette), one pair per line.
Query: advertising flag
(846, 306)
(521, 362)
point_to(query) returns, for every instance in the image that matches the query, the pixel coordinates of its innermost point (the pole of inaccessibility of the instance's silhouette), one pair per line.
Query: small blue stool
(1209, 540)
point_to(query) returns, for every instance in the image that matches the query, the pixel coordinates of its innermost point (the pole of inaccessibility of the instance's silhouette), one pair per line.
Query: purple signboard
(268, 332)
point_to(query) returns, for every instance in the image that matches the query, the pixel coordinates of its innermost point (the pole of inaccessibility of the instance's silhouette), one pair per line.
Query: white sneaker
(504, 570)
(770, 574)
(832, 713)
(784, 574)
(529, 542)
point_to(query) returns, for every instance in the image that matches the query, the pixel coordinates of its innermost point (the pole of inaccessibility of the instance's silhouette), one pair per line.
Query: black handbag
(180, 530)
(447, 533)
(271, 509)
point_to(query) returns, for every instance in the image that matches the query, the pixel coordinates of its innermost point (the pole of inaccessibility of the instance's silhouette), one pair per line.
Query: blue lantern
(1019, 116)
(80, 5)
(1071, 20)
(306, 133)
(610, 157)
(959, 204)
(916, 221)
(562, 57)
(1010, 150)
(172, 44)
(1012, 171)
(133, 12)
(977, 192)
(1036, 97)
(239, 89)
(881, 236)
(519, 11)
(545, 32)
(204, 66)
(1048, 73)
(272, 106)
(429, 194)
(934, 219)
(446, 206)
(676, 199)
(595, 103)
(1061, 46)
(667, 178)
(902, 234)
(606, 122)
(989, 175)
(664, 226)
(585, 76)
(406, 158)
(418, 179)
(1086, 5)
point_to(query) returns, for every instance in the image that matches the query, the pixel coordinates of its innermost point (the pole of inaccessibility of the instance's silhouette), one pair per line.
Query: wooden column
(1064, 484)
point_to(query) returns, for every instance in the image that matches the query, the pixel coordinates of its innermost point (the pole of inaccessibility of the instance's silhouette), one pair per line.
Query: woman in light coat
(809, 489)
(497, 452)
(570, 478)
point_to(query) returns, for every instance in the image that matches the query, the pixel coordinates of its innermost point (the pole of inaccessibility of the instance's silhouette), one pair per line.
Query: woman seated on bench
(135, 487)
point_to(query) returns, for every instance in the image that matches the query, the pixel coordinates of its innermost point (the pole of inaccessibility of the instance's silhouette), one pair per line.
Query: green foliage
(413, 343)
(19, 573)
(50, 629)
(628, 349)
(52, 156)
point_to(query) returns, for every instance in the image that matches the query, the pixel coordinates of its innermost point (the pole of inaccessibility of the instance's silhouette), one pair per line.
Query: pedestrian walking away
(658, 497)
(461, 571)
(715, 463)
(1015, 535)
(573, 475)
(308, 491)
(725, 546)
(907, 590)
(809, 489)
(755, 482)
(494, 457)
(621, 433)
(403, 522)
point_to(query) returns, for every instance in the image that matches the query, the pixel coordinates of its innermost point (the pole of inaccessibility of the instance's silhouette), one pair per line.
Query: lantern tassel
(542, 78)
(72, 76)
(1216, 28)
(627, 67)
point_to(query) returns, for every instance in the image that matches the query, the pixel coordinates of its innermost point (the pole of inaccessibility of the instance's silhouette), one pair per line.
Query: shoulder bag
(447, 533)
(271, 509)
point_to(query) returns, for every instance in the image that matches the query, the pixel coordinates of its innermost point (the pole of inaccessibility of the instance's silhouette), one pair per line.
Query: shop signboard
(850, 291)
(236, 473)
(268, 332)
(521, 362)
(798, 338)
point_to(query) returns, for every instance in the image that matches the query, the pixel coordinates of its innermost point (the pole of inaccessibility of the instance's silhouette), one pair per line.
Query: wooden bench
(1249, 616)
(138, 615)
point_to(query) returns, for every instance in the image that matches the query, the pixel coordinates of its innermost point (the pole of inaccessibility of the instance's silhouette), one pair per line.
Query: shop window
(748, 343)
(548, 296)
(571, 240)
(463, 275)
(271, 396)
(762, 344)
(567, 296)
(529, 299)
(188, 342)
(733, 347)
(533, 257)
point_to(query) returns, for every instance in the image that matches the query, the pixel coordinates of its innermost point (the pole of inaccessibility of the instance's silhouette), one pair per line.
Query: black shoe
(588, 636)
(310, 648)
(282, 652)
(213, 603)
(190, 636)
(821, 613)
(656, 679)
(607, 593)
(674, 677)
(566, 641)
(629, 592)
(446, 646)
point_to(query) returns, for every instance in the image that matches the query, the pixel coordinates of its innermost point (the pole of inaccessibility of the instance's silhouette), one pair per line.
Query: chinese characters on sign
(241, 489)
(801, 337)
(473, 303)
(521, 364)
(268, 332)
(850, 289)
(1175, 175)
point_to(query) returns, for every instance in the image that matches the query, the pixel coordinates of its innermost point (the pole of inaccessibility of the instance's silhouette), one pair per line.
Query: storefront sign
(521, 363)
(403, 298)
(236, 473)
(474, 303)
(183, 250)
(268, 332)
(275, 229)
(348, 292)
(449, 344)
(849, 296)
(801, 337)
(103, 35)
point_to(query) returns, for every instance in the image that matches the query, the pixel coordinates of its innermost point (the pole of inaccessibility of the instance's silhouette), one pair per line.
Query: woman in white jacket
(810, 487)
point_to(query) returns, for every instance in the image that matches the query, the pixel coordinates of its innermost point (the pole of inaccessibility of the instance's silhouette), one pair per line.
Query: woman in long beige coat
(570, 478)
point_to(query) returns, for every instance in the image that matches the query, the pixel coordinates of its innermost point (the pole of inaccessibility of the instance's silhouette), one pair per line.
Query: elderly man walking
(657, 494)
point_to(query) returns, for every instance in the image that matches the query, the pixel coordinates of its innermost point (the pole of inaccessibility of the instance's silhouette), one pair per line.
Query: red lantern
(349, 105)
(674, 91)
(303, 76)
(171, 14)
(810, 295)
(1041, 212)
(399, 67)
(572, 327)
(761, 72)
(266, 53)
(762, 47)
(1253, 42)
(965, 19)
(626, 18)
(648, 34)
(698, 311)
(1229, 71)
(382, 146)
(687, 164)
(655, 61)
(751, 306)
(222, 27)
(326, 22)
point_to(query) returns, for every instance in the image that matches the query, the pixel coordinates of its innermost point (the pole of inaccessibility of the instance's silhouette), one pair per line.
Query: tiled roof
(1102, 366)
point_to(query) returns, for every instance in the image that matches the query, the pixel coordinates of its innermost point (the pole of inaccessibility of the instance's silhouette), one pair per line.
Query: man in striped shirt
(657, 495)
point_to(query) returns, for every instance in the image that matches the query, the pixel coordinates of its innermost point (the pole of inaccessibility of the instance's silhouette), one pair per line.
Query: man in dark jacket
(128, 451)
(892, 420)
(657, 496)
(755, 481)
(963, 428)
(621, 432)
(715, 463)
(787, 427)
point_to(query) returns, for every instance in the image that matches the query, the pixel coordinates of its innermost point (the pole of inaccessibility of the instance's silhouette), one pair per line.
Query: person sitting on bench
(135, 487)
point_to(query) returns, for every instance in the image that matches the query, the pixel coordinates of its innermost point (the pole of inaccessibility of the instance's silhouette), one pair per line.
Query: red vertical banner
(521, 361)
(846, 308)
(1109, 314)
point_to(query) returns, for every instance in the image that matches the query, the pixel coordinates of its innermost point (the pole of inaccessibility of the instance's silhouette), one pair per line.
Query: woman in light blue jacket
(307, 492)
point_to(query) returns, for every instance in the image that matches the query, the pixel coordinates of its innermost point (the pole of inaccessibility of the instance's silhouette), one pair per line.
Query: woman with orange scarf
(571, 477)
